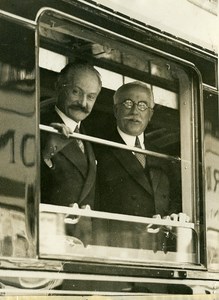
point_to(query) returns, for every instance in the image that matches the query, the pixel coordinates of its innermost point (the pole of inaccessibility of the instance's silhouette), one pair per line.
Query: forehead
(84, 79)
(134, 93)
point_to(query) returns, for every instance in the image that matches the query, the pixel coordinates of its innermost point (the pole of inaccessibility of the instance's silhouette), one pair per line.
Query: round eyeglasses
(141, 105)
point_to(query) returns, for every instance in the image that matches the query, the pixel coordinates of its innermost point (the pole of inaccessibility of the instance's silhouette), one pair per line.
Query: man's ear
(56, 86)
(151, 113)
(115, 108)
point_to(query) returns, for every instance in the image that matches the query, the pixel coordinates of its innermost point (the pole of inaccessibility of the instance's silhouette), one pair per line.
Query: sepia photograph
(109, 150)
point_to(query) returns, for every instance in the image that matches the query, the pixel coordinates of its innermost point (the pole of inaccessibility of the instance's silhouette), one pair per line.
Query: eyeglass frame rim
(123, 103)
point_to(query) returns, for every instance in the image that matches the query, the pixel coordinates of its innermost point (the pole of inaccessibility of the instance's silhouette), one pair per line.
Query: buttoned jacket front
(125, 187)
(72, 177)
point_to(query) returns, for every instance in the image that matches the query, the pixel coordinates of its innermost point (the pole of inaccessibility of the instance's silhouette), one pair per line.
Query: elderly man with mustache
(68, 168)
(130, 183)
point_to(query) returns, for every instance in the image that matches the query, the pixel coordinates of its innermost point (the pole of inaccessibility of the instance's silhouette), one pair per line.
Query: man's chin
(78, 116)
(134, 130)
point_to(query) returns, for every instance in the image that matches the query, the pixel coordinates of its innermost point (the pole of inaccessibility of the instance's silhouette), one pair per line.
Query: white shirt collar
(130, 139)
(67, 121)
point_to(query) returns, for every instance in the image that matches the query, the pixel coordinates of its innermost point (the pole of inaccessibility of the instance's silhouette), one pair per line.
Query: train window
(102, 233)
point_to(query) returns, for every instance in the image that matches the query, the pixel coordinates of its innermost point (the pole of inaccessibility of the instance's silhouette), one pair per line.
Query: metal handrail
(109, 143)
(87, 212)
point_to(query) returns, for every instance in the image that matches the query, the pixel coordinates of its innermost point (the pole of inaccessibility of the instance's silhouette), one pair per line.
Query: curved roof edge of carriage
(30, 10)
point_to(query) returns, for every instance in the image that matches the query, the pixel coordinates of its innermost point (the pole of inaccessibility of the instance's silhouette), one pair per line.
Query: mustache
(79, 107)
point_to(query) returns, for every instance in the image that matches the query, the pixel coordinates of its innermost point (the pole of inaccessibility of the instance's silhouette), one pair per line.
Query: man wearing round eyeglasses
(129, 182)
(133, 108)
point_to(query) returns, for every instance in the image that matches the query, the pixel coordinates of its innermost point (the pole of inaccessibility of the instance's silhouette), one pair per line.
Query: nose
(135, 109)
(83, 100)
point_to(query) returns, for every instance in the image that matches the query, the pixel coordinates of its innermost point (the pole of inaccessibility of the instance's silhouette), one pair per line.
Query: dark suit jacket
(125, 187)
(72, 178)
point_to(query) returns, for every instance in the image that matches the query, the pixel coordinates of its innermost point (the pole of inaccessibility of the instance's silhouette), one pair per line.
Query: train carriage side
(36, 254)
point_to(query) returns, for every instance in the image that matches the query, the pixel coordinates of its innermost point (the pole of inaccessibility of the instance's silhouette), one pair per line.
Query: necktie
(79, 142)
(140, 157)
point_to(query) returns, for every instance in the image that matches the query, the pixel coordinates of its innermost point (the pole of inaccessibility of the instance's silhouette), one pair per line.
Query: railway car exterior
(37, 257)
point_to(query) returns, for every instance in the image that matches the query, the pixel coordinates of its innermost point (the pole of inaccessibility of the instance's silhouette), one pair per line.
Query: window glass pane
(167, 186)
(212, 174)
(130, 240)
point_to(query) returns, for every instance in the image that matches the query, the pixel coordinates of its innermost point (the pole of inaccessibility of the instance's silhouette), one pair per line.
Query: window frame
(188, 112)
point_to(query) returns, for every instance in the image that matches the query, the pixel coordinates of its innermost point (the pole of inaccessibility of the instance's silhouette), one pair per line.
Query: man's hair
(133, 84)
(72, 68)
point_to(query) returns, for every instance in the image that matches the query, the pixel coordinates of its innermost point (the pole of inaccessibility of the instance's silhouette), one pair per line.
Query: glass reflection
(82, 234)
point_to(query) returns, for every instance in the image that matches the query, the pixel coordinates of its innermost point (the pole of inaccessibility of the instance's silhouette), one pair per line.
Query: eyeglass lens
(142, 105)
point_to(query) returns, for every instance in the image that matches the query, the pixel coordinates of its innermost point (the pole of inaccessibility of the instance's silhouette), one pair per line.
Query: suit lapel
(153, 164)
(91, 172)
(85, 164)
(155, 173)
(131, 165)
(73, 153)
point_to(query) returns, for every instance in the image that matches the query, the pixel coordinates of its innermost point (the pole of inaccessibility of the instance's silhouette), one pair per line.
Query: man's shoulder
(111, 136)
